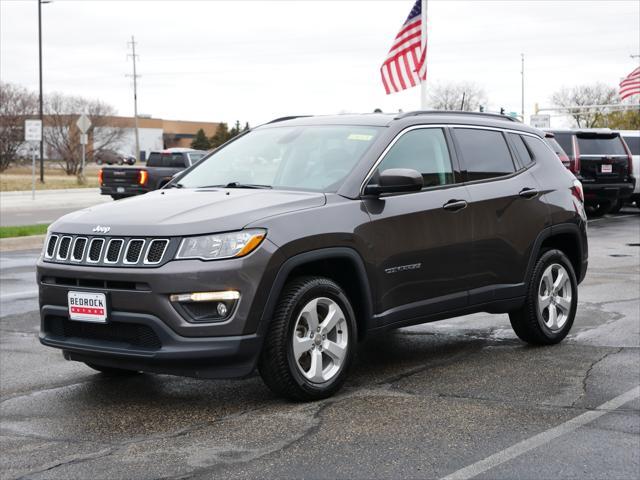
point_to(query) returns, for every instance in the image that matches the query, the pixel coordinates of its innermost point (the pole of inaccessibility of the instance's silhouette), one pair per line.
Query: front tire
(551, 301)
(311, 341)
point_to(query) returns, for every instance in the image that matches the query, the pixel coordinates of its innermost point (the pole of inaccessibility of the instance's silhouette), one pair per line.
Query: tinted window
(555, 146)
(424, 150)
(521, 149)
(155, 160)
(634, 144)
(565, 141)
(600, 145)
(539, 149)
(174, 160)
(485, 153)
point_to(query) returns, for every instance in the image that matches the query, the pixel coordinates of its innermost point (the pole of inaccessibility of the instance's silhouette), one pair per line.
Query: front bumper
(145, 330)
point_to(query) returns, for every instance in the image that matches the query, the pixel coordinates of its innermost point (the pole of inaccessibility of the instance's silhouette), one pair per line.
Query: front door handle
(455, 205)
(528, 192)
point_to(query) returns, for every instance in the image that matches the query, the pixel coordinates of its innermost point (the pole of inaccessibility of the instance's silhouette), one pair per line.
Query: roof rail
(457, 112)
(290, 117)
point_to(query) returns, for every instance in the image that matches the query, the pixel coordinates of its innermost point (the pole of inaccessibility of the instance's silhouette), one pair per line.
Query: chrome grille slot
(51, 246)
(95, 250)
(63, 248)
(113, 250)
(155, 252)
(134, 250)
(79, 246)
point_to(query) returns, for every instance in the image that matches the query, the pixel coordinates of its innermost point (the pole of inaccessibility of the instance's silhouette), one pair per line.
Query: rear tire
(600, 209)
(551, 301)
(112, 372)
(311, 341)
(616, 206)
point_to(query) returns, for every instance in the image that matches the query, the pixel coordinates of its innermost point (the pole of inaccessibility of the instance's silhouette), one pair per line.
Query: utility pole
(135, 94)
(40, 100)
(522, 97)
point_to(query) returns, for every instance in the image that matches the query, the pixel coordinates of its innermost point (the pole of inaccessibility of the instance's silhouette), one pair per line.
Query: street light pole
(522, 92)
(40, 101)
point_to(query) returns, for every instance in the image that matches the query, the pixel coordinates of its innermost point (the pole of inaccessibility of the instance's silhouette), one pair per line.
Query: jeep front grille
(109, 251)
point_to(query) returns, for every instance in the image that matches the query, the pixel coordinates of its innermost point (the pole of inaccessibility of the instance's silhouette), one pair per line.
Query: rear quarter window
(155, 160)
(540, 150)
(565, 141)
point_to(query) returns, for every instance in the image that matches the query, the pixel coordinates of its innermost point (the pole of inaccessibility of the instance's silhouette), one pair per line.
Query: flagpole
(423, 83)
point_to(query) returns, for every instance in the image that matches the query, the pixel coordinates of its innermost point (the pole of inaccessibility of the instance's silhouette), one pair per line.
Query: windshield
(315, 158)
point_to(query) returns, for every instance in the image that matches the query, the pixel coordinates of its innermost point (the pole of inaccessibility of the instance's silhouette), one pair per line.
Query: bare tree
(16, 104)
(63, 137)
(448, 96)
(584, 95)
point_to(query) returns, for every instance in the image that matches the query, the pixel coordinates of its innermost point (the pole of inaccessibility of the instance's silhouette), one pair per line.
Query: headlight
(221, 245)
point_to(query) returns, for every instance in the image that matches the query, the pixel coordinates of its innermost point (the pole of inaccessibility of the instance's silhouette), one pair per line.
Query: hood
(175, 212)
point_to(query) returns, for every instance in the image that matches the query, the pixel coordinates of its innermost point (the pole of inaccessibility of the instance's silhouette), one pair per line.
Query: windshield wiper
(175, 185)
(238, 185)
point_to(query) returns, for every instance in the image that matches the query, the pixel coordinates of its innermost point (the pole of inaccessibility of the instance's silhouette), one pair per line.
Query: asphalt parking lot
(462, 397)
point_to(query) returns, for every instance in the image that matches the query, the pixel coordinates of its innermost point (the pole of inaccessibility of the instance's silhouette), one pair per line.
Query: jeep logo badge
(101, 229)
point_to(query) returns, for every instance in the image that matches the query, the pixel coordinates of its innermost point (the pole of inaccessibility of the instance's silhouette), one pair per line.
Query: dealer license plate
(87, 307)
(607, 169)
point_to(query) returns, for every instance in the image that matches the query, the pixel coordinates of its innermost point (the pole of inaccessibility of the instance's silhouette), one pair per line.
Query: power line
(135, 93)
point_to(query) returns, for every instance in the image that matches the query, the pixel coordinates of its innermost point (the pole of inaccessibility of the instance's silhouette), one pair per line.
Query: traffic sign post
(83, 124)
(33, 133)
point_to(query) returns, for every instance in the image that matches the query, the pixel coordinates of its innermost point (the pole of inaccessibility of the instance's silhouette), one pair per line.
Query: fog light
(222, 309)
(205, 296)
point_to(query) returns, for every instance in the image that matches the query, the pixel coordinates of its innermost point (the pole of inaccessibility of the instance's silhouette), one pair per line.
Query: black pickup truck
(121, 182)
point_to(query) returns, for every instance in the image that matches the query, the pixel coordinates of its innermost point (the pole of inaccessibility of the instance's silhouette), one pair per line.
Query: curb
(13, 244)
(18, 193)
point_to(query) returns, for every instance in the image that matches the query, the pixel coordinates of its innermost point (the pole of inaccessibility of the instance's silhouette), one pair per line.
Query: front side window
(313, 157)
(425, 151)
(485, 153)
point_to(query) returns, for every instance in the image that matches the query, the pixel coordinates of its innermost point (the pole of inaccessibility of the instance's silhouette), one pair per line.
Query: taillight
(577, 191)
(143, 175)
(100, 177)
(629, 156)
(574, 164)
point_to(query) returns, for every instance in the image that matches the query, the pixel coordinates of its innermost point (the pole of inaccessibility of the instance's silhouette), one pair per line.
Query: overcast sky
(253, 61)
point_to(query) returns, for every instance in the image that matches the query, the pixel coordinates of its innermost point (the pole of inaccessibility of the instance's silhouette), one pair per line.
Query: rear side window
(155, 160)
(565, 140)
(173, 160)
(485, 153)
(424, 150)
(634, 144)
(555, 146)
(521, 149)
(600, 145)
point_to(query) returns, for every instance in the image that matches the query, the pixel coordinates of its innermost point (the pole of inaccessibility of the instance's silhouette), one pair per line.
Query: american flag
(630, 85)
(405, 65)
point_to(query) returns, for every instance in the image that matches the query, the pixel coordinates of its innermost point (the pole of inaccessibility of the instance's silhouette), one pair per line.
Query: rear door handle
(455, 205)
(528, 192)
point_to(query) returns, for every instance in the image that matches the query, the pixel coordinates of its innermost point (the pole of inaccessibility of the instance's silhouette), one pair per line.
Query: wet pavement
(421, 402)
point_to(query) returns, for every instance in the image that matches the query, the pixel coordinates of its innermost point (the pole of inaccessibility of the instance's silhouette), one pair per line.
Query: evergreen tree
(200, 141)
(246, 127)
(221, 135)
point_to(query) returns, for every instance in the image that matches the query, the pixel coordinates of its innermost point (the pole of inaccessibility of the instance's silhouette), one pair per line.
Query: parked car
(289, 245)
(601, 161)
(160, 168)
(111, 157)
(550, 138)
(632, 139)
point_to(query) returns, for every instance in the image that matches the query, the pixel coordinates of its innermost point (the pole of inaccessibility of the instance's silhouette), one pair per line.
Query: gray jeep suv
(295, 241)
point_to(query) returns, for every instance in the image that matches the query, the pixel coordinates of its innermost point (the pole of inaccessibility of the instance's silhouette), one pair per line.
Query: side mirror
(395, 180)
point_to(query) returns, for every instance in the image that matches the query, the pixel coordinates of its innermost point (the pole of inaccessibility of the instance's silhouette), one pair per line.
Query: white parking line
(542, 438)
(14, 296)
